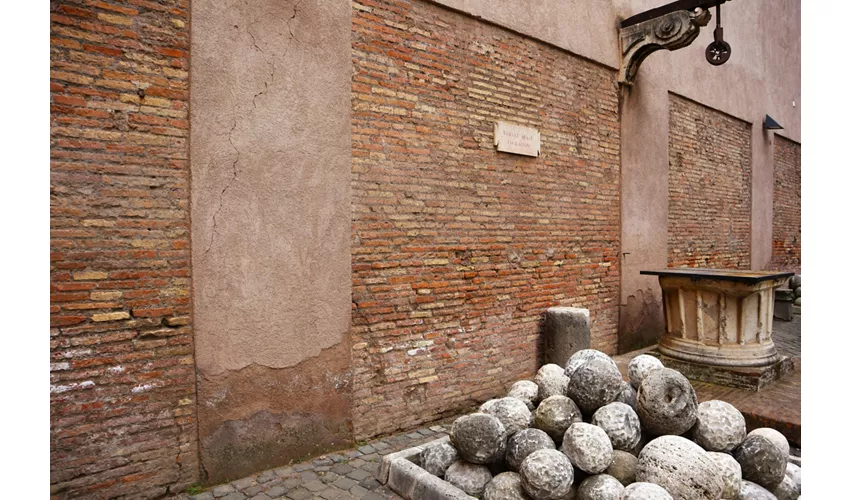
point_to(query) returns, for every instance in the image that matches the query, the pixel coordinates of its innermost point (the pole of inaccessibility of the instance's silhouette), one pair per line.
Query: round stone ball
(511, 412)
(786, 490)
(762, 462)
(583, 356)
(546, 475)
(479, 438)
(623, 467)
(505, 486)
(793, 471)
(523, 444)
(753, 491)
(555, 414)
(645, 491)
(551, 381)
(795, 281)
(549, 370)
(471, 478)
(666, 402)
(719, 426)
(683, 468)
(776, 437)
(627, 395)
(600, 487)
(798, 292)
(594, 384)
(640, 366)
(436, 459)
(526, 391)
(730, 473)
(621, 423)
(588, 447)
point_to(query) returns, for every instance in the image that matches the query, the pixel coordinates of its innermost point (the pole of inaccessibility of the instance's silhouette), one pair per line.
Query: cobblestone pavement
(343, 475)
(351, 473)
(786, 336)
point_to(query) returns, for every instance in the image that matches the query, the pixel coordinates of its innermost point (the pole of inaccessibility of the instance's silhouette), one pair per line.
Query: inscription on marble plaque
(516, 139)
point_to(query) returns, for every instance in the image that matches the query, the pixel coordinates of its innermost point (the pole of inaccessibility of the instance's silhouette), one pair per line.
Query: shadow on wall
(641, 322)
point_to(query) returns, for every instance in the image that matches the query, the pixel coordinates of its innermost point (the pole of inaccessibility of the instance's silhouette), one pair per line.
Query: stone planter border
(400, 471)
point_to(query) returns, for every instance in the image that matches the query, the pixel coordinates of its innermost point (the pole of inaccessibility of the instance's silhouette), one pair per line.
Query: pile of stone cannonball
(581, 432)
(794, 284)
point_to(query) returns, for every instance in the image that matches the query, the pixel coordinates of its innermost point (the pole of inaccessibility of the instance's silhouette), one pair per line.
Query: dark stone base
(750, 378)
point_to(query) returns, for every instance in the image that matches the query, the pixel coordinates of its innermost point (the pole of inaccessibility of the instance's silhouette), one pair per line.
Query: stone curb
(401, 473)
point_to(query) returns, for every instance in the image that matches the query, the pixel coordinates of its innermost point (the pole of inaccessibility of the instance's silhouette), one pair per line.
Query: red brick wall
(710, 181)
(122, 395)
(786, 205)
(458, 250)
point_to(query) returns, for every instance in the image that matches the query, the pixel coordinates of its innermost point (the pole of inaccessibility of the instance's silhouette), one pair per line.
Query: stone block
(783, 304)
(566, 331)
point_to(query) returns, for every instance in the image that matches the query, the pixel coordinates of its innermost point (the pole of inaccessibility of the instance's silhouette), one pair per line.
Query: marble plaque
(516, 139)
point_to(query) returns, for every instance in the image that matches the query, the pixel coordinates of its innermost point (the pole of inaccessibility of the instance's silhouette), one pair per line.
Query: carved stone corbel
(670, 31)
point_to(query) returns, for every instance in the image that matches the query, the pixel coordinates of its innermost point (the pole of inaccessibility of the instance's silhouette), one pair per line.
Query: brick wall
(122, 395)
(710, 180)
(457, 250)
(786, 205)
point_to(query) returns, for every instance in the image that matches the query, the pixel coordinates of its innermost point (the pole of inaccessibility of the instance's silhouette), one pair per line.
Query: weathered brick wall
(710, 180)
(457, 250)
(786, 205)
(122, 395)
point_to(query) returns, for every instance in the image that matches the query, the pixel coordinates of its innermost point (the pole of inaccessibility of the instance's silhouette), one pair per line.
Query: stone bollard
(783, 304)
(566, 331)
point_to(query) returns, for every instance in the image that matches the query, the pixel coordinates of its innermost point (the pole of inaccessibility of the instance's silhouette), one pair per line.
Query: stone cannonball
(523, 444)
(683, 468)
(471, 478)
(719, 426)
(594, 384)
(627, 395)
(795, 281)
(786, 490)
(666, 402)
(640, 366)
(762, 462)
(793, 471)
(588, 447)
(645, 491)
(505, 486)
(776, 437)
(479, 438)
(525, 391)
(436, 459)
(623, 467)
(730, 473)
(546, 475)
(551, 381)
(621, 423)
(555, 414)
(601, 487)
(752, 491)
(583, 356)
(511, 412)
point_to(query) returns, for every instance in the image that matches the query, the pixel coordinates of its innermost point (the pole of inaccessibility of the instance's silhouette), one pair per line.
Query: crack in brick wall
(710, 183)
(122, 396)
(458, 250)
